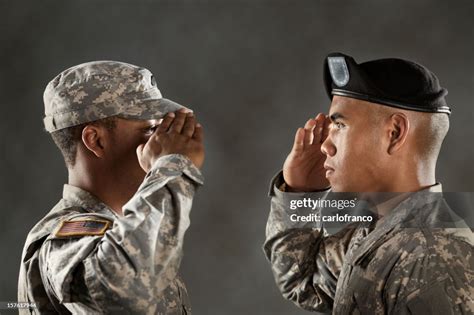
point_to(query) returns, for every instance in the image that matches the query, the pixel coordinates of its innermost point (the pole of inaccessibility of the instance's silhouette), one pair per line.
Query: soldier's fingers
(165, 123)
(320, 118)
(309, 124)
(198, 132)
(188, 128)
(178, 122)
(327, 123)
(318, 128)
(308, 135)
(298, 145)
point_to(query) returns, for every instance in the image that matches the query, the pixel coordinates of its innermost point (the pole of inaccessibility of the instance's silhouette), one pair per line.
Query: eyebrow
(336, 116)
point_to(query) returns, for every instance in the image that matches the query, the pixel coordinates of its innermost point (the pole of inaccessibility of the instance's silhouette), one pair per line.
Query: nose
(327, 147)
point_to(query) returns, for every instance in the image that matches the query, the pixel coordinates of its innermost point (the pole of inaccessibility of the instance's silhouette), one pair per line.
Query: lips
(328, 167)
(329, 170)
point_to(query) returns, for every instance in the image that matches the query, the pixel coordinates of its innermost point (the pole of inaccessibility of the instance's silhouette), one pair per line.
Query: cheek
(124, 149)
(357, 151)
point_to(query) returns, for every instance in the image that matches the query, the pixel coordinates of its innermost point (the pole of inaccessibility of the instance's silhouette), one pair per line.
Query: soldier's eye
(150, 130)
(337, 125)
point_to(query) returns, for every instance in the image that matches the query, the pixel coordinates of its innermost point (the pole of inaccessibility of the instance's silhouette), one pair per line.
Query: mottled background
(251, 70)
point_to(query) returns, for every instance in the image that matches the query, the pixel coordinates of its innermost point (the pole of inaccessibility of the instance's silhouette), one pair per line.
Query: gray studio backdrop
(252, 73)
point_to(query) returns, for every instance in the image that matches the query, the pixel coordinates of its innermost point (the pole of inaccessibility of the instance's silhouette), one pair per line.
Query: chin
(336, 185)
(341, 188)
(336, 188)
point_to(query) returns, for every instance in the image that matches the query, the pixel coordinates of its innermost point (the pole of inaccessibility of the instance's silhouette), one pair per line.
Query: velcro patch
(82, 227)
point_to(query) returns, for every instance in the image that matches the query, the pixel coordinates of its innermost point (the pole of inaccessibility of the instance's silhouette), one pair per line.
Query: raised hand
(178, 133)
(303, 169)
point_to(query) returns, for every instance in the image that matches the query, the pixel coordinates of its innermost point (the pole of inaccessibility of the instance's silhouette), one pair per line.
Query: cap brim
(151, 109)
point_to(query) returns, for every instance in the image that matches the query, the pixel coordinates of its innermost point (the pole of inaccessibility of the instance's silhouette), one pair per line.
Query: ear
(93, 138)
(398, 127)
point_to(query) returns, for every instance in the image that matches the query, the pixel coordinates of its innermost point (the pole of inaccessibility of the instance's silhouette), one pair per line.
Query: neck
(111, 192)
(412, 177)
(403, 181)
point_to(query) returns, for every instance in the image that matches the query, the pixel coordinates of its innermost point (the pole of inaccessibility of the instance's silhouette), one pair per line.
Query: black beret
(392, 82)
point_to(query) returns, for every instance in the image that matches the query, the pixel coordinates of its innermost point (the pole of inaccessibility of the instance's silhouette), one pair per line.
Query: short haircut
(432, 130)
(68, 139)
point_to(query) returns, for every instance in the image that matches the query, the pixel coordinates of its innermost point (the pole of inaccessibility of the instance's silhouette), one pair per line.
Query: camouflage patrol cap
(101, 89)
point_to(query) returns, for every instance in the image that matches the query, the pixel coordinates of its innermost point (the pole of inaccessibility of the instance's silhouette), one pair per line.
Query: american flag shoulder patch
(82, 227)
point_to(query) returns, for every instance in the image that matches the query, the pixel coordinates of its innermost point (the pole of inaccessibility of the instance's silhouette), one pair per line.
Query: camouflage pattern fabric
(132, 268)
(101, 89)
(405, 265)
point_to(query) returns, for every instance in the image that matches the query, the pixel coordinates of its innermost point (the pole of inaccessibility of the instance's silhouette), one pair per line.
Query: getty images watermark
(329, 204)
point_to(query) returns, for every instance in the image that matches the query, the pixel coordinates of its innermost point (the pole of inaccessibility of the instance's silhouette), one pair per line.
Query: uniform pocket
(432, 300)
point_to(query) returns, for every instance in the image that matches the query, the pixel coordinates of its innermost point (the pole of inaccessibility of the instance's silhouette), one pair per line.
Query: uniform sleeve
(305, 262)
(128, 267)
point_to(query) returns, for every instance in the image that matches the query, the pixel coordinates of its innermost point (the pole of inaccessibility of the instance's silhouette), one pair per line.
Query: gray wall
(252, 72)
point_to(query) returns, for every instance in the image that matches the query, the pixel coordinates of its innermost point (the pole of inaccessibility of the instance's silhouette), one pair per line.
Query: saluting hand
(178, 133)
(304, 167)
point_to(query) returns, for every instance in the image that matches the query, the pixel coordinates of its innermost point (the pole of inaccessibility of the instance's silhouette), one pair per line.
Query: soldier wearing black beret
(384, 131)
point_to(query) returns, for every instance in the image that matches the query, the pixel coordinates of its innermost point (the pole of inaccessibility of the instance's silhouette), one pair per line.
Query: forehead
(350, 106)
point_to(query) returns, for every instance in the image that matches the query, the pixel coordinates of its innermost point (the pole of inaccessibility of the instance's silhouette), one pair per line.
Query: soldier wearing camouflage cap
(386, 125)
(114, 242)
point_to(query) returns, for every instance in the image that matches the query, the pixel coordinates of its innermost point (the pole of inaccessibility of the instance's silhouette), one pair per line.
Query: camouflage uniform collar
(84, 199)
(413, 201)
(404, 211)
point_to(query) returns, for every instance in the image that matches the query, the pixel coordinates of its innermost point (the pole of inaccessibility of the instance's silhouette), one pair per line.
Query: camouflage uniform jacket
(389, 269)
(132, 268)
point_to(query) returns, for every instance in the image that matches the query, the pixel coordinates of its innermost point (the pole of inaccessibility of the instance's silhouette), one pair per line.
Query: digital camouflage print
(407, 264)
(131, 268)
(101, 89)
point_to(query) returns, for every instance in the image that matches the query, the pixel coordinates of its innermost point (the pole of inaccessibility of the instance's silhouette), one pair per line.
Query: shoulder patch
(82, 227)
